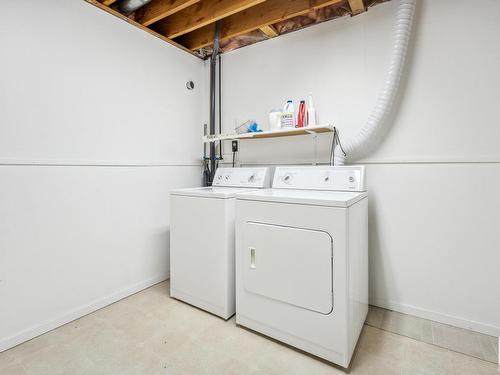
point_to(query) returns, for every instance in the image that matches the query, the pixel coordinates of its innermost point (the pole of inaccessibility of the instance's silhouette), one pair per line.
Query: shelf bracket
(315, 147)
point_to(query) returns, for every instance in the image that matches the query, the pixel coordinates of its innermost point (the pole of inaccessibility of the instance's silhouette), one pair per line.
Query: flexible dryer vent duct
(129, 6)
(361, 143)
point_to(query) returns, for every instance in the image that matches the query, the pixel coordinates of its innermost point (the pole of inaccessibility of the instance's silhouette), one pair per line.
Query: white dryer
(302, 259)
(202, 239)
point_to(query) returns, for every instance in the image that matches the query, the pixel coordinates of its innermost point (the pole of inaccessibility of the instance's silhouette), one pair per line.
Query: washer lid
(211, 192)
(308, 197)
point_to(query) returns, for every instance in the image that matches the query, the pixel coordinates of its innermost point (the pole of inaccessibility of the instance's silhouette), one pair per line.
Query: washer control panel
(340, 178)
(242, 177)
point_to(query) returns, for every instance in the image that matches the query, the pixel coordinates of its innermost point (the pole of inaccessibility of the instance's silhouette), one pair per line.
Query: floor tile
(76, 329)
(282, 359)
(140, 361)
(463, 364)
(151, 333)
(7, 360)
(420, 357)
(102, 343)
(382, 344)
(464, 341)
(33, 346)
(195, 357)
(151, 298)
(13, 370)
(375, 315)
(237, 342)
(407, 325)
(55, 360)
(489, 346)
(367, 363)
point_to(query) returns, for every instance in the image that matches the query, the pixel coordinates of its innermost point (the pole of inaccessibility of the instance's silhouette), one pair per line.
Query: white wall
(96, 126)
(434, 181)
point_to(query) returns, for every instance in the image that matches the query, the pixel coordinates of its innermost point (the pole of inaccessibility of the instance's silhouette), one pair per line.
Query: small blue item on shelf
(254, 128)
(248, 127)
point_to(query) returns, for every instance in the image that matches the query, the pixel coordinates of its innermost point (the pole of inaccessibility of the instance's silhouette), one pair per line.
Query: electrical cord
(335, 142)
(206, 171)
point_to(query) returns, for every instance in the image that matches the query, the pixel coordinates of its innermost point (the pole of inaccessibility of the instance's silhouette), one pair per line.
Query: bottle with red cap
(301, 116)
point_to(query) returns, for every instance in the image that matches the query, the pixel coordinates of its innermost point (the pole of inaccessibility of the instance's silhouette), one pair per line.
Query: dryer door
(290, 265)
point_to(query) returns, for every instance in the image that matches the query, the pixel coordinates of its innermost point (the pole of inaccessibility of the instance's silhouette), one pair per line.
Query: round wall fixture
(190, 85)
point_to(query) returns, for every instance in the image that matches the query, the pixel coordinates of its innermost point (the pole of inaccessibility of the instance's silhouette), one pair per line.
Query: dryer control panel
(338, 178)
(242, 177)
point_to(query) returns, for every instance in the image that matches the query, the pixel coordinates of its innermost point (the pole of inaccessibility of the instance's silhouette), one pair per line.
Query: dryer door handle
(252, 257)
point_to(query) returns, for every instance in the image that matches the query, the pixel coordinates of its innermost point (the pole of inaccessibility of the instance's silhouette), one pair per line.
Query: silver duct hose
(129, 6)
(360, 144)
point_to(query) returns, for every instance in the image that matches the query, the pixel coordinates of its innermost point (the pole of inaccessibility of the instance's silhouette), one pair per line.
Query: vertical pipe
(213, 63)
(220, 104)
(212, 119)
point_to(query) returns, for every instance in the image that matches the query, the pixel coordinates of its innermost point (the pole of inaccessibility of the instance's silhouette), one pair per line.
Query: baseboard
(437, 317)
(32, 332)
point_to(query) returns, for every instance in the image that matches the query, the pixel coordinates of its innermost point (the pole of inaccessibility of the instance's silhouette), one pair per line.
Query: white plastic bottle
(311, 112)
(275, 119)
(288, 115)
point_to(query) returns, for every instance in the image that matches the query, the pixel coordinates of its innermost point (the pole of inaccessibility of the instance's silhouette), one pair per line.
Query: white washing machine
(202, 239)
(302, 259)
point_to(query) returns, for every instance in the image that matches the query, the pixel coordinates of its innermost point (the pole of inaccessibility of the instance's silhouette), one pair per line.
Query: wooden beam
(270, 31)
(357, 6)
(108, 2)
(267, 13)
(159, 9)
(132, 22)
(201, 14)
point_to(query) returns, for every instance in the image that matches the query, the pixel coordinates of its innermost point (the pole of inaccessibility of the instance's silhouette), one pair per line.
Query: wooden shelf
(271, 134)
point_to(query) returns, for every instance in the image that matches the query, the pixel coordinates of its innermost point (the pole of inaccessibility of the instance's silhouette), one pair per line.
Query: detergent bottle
(288, 115)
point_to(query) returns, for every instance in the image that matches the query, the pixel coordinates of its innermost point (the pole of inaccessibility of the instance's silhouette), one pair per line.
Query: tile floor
(150, 333)
(456, 339)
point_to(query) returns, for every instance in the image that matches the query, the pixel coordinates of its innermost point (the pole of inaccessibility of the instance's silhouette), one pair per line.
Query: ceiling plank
(201, 14)
(270, 31)
(108, 2)
(357, 6)
(159, 9)
(132, 22)
(267, 13)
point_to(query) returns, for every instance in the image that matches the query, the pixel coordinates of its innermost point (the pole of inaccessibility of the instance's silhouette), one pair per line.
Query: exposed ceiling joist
(190, 24)
(159, 9)
(137, 24)
(357, 6)
(201, 14)
(257, 17)
(270, 31)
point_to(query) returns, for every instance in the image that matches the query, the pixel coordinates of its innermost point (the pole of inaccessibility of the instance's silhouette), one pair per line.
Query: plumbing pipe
(129, 6)
(373, 129)
(213, 64)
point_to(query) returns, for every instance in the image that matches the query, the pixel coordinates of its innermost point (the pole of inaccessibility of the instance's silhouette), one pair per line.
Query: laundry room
(249, 187)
